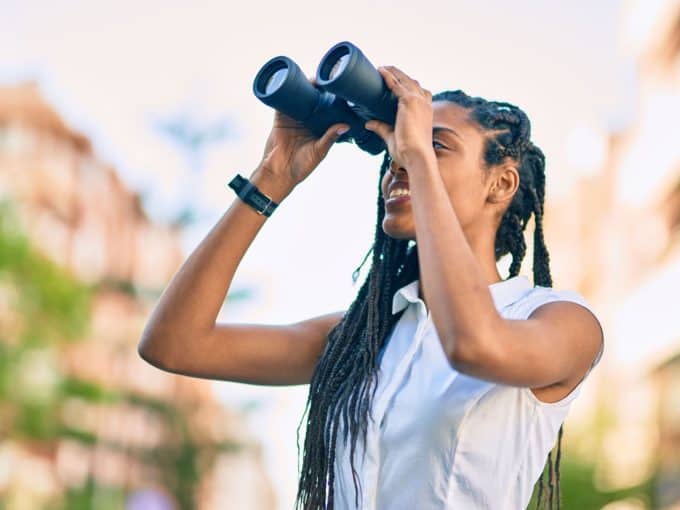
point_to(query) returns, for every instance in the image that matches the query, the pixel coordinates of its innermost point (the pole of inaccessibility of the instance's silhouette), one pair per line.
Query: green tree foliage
(579, 490)
(53, 305)
(42, 308)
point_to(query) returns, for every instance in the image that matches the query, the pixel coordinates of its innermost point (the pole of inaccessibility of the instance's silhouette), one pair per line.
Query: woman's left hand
(410, 140)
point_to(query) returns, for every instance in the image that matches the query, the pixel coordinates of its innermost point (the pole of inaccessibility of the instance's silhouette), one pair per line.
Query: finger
(407, 82)
(392, 82)
(283, 120)
(323, 144)
(381, 129)
(402, 77)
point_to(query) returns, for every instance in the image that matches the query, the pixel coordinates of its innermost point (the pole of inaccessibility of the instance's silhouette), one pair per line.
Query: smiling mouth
(397, 198)
(399, 192)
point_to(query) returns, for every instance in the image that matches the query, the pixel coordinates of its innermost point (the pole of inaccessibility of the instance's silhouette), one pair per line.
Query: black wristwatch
(252, 196)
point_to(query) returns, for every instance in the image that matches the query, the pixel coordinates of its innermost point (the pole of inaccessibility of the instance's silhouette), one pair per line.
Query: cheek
(384, 182)
(466, 197)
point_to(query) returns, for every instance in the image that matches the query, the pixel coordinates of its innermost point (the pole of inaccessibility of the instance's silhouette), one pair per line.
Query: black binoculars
(348, 89)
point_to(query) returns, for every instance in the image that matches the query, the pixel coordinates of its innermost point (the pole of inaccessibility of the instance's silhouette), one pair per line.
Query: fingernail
(341, 131)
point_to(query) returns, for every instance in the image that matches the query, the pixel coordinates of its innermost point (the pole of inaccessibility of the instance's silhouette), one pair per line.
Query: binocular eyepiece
(348, 89)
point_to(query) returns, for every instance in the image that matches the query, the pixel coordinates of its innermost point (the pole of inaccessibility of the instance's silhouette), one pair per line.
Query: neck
(484, 252)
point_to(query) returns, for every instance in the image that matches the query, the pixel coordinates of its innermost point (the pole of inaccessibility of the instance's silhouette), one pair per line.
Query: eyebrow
(439, 129)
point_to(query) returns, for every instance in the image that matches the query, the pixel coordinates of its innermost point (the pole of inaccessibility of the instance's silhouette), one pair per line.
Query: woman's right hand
(292, 152)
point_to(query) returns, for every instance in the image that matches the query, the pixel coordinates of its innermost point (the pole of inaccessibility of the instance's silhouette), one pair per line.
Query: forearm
(451, 278)
(189, 305)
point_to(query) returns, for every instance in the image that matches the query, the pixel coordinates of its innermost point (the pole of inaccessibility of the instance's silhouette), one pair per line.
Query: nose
(394, 167)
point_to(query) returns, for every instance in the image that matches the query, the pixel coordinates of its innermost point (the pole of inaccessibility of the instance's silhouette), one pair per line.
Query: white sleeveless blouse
(445, 440)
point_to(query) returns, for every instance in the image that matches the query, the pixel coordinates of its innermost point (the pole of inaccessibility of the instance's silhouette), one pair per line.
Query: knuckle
(413, 97)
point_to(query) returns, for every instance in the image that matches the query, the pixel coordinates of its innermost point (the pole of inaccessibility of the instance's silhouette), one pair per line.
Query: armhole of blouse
(553, 295)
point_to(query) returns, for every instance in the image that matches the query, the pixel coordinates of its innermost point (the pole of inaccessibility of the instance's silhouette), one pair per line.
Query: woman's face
(458, 143)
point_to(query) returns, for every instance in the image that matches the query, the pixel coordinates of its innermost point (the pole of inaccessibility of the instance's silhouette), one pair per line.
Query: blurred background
(121, 124)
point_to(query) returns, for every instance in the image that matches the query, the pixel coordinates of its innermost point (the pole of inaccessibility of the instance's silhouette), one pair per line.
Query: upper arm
(253, 353)
(556, 344)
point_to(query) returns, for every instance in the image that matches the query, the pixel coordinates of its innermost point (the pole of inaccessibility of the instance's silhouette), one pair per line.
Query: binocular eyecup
(348, 89)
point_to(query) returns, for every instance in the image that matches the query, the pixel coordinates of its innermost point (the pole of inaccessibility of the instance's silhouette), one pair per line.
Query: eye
(435, 143)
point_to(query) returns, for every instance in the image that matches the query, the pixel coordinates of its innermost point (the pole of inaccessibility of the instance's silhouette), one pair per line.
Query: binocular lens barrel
(346, 72)
(362, 95)
(281, 84)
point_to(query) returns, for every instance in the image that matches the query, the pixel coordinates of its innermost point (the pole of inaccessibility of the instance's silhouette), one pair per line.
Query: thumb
(381, 129)
(334, 132)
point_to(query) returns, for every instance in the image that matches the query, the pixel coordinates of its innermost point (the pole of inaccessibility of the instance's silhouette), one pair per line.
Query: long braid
(539, 498)
(345, 378)
(551, 482)
(557, 469)
(340, 386)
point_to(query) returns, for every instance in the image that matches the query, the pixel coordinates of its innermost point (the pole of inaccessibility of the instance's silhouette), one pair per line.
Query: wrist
(424, 160)
(271, 184)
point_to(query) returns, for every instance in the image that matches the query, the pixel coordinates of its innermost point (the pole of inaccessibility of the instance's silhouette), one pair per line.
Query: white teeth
(399, 192)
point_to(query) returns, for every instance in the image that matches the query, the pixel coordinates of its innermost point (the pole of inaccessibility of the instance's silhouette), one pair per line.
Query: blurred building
(134, 427)
(618, 233)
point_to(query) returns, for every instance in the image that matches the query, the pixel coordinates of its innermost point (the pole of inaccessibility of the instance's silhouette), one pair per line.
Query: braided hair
(345, 378)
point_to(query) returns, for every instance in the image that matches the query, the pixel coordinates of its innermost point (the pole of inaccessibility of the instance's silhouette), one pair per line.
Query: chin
(395, 232)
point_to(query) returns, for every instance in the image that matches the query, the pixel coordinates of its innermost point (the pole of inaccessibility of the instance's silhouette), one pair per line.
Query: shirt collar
(503, 293)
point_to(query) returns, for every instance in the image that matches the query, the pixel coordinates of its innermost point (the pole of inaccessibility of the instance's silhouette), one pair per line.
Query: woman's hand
(292, 151)
(410, 140)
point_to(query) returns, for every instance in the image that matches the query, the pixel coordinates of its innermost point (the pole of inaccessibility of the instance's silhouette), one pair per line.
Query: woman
(467, 377)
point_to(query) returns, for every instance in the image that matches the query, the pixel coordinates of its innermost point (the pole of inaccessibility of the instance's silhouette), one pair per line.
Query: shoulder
(570, 320)
(572, 313)
(538, 296)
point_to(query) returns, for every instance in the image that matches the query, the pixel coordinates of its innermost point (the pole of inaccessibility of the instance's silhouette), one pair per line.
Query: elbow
(466, 352)
(144, 353)
(155, 352)
(461, 356)
(470, 347)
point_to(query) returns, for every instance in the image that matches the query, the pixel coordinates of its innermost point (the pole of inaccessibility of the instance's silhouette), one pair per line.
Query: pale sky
(112, 67)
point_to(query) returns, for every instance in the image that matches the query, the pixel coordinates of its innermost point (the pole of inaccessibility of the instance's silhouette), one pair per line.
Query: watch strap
(251, 195)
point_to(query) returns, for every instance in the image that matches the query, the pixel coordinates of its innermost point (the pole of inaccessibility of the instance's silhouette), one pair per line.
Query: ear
(503, 183)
